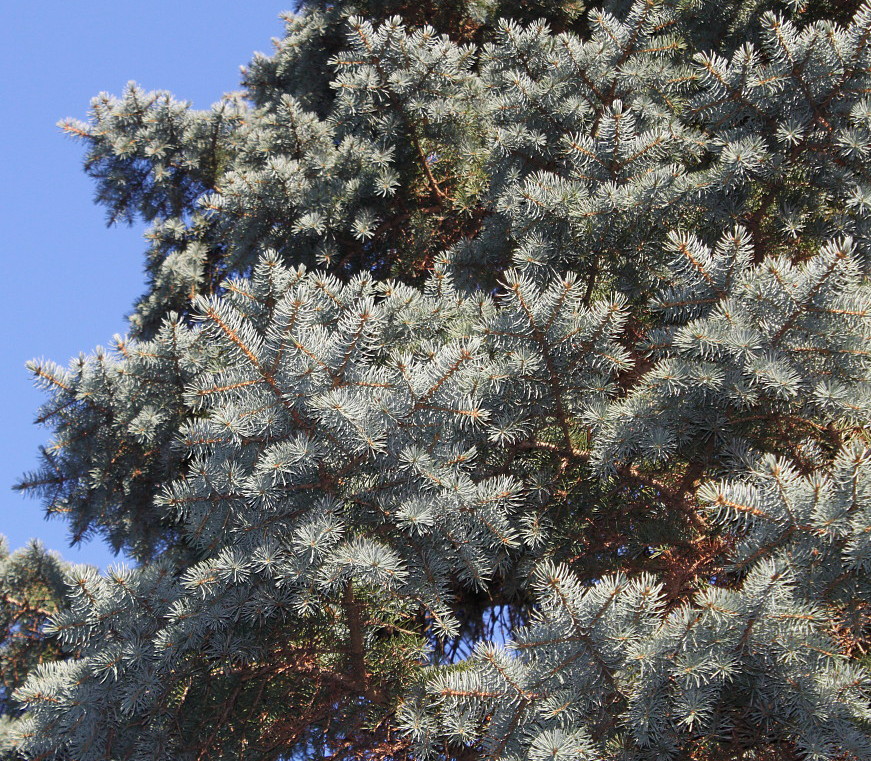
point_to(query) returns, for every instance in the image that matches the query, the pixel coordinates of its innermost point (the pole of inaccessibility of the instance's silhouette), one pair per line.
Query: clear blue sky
(68, 280)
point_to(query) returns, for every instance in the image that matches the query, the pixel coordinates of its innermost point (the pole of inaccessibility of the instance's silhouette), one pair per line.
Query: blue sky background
(68, 280)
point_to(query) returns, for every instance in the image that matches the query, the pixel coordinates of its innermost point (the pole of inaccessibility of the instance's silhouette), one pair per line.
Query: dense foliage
(32, 591)
(500, 389)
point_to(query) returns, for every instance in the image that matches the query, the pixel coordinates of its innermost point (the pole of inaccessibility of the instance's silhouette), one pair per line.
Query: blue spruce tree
(32, 591)
(500, 391)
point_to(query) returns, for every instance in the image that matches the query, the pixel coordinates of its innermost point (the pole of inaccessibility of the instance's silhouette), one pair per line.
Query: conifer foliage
(32, 591)
(500, 390)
